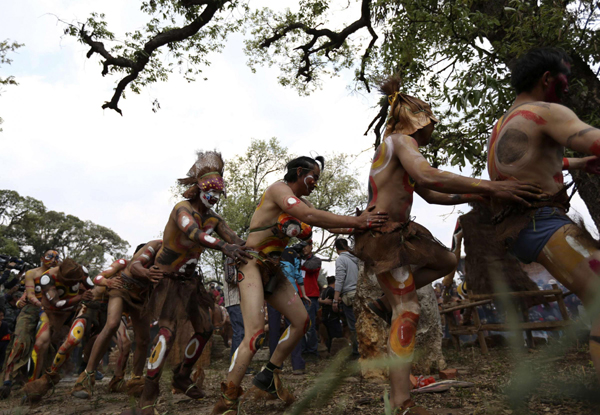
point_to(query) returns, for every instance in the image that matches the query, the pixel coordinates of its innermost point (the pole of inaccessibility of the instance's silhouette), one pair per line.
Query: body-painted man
(528, 143)
(63, 288)
(89, 322)
(281, 214)
(27, 321)
(403, 254)
(191, 229)
(129, 291)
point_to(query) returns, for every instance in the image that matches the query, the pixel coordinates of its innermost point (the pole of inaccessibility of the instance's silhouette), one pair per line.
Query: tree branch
(336, 41)
(142, 57)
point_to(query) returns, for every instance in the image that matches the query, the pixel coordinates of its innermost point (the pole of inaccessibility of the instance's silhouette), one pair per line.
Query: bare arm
(225, 232)
(437, 198)
(285, 199)
(564, 127)
(142, 264)
(30, 289)
(407, 151)
(187, 224)
(49, 290)
(104, 278)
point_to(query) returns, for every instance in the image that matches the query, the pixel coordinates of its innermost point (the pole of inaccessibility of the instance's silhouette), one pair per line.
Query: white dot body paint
(85, 270)
(145, 256)
(210, 239)
(191, 349)
(75, 287)
(574, 243)
(233, 359)
(45, 280)
(185, 221)
(38, 289)
(61, 303)
(292, 201)
(152, 251)
(122, 261)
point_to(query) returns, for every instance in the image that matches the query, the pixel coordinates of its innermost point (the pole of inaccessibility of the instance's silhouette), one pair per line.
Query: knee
(450, 263)
(111, 327)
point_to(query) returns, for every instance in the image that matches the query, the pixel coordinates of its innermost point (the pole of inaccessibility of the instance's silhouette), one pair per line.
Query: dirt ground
(561, 385)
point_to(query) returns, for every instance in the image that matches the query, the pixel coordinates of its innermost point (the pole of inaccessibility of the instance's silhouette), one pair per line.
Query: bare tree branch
(336, 41)
(142, 57)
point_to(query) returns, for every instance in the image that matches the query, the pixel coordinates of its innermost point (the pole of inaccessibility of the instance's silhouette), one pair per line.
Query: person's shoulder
(182, 204)
(402, 140)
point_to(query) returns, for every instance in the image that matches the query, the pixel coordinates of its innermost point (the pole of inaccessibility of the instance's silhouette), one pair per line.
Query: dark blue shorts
(537, 233)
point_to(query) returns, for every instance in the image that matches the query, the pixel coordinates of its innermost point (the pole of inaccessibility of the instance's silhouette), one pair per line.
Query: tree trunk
(373, 333)
(589, 188)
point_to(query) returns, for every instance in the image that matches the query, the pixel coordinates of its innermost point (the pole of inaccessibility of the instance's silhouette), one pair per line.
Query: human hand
(592, 165)
(154, 274)
(335, 307)
(369, 219)
(237, 252)
(114, 283)
(516, 191)
(87, 295)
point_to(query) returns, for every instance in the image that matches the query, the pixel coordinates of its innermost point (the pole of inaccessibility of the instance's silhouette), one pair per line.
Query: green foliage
(5, 47)
(28, 229)
(453, 54)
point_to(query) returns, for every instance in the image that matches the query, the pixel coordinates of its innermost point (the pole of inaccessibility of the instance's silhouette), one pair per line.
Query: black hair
(341, 244)
(307, 163)
(530, 67)
(140, 246)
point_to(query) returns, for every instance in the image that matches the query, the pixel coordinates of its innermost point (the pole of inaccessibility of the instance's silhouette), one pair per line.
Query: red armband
(565, 163)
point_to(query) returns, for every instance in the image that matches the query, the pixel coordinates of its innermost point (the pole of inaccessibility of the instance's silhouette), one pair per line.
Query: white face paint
(185, 221)
(210, 198)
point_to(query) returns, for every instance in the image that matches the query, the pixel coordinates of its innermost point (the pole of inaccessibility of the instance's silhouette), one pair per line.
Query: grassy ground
(560, 385)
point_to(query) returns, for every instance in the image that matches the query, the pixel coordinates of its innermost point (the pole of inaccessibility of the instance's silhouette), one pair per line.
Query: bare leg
(574, 260)
(40, 348)
(399, 288)
(252, 305)
(141, 332)
(124, 347)
(113, 320)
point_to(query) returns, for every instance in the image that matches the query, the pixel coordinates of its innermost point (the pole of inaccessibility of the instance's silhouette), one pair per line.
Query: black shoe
(264, 381)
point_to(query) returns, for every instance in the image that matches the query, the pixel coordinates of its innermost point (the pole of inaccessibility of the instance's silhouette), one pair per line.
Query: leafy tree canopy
(7, 46)
(28, 229)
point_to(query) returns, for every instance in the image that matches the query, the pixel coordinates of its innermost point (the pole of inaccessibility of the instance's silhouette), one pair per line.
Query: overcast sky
(59, 146)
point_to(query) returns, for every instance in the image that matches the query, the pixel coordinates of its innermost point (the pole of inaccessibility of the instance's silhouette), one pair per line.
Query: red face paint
(557, 89)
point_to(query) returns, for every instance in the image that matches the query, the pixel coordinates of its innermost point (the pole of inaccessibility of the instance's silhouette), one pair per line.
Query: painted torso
(518, 149)
(390, 187)
(65, 293)
(178, 251)
(271, 241)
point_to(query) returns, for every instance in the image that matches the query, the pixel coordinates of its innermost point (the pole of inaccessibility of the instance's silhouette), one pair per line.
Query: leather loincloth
(395, 245)
(270, 271)
(178, 294)
(135, 294)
